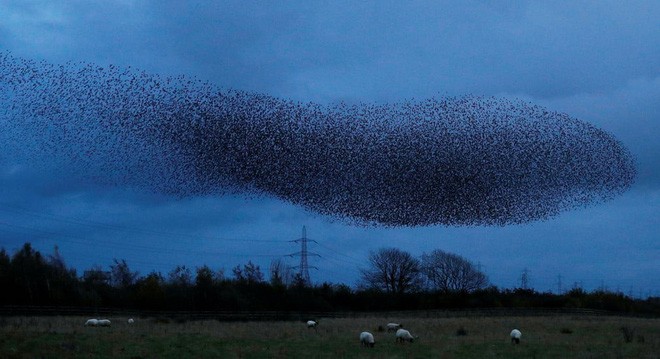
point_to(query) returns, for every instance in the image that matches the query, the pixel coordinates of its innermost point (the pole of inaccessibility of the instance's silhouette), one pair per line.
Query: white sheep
(131, 321)
(403, 335)
(92, 322)
(392, 327)
(367, 339)
(104, 323)
(515, 336)
(312, 324)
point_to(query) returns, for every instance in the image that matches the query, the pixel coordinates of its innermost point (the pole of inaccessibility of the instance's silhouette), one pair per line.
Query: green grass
(590, 337)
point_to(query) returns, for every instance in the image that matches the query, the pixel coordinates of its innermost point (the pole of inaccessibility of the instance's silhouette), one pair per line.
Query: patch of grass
(161, 320)
(66, 337)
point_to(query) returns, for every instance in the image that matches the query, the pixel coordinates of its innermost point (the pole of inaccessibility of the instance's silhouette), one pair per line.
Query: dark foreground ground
(566, 336)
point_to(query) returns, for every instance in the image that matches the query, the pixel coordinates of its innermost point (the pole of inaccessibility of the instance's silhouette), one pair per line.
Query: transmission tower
(524, 279)
(559, 284)
(304, 253)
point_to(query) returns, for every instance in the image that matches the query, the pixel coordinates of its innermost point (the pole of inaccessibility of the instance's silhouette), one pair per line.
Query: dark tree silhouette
(180, 276)
(179, 287)
(31, 282)
(298, 281)
(121, 274)
(280, 273)
(62, 281)
(96, 276)
(5, 277)
(204, 290)
(392, 270)
(29, 269)
(204, 277)
(449, 272)
(250, 273)
(150, 291)
(56, 261)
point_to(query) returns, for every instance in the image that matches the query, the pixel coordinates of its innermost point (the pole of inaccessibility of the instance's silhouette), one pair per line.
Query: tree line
(392, 280)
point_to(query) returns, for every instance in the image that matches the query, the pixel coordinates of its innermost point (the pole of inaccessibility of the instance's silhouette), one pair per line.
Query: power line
(77, 221)
(333, 255)
(85, 241)
(116, 227)
(341, 258)
(354, 260)
(79, 240)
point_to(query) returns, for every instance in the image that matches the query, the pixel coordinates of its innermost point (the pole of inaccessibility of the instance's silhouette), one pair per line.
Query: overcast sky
(596, 61)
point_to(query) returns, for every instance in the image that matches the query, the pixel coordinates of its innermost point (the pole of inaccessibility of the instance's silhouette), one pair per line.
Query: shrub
(461, 332)
(628, 333)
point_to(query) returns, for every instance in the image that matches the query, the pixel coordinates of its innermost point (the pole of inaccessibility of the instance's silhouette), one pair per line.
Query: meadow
(561, 336)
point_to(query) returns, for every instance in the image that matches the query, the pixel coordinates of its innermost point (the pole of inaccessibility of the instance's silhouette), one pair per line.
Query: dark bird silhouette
(441, 161)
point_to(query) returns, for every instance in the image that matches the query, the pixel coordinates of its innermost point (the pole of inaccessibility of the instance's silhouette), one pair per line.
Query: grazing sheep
(312, 324)
(515, 336)
(104, 323)
(403, 335)
(392, 327)
(131, 321)
(92, 322)
(367, 339)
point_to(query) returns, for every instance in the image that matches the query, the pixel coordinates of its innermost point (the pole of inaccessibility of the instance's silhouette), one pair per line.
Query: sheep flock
(367, 339)
(454, 161)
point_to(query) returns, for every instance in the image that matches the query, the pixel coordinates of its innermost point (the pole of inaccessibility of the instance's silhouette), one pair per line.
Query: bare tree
(56, 260)
(451, 273)
(96, 275)
(122, 276)
(281, 273)
(392, 270)
(250, 273)
(204, 278)
(180, 276)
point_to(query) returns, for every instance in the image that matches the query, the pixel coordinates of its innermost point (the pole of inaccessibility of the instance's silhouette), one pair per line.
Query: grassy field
(543, 337)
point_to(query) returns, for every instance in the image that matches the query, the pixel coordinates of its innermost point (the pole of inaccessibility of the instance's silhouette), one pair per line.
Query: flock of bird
(441, 161)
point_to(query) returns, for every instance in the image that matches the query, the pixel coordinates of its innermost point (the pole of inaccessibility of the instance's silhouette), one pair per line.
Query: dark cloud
(325, 51)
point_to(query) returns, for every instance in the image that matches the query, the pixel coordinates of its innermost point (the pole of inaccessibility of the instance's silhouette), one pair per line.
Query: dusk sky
(597, 61)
